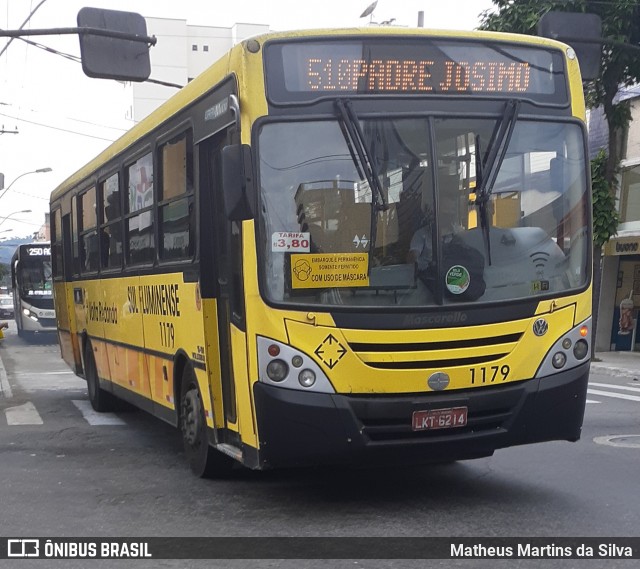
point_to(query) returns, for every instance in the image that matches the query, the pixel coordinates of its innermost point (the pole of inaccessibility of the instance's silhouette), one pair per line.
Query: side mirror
(583, 32)
(106, 57)
(237, 182)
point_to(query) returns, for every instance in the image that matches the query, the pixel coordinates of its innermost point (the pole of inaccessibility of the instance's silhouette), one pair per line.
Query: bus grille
(391, 421)
(439, 354)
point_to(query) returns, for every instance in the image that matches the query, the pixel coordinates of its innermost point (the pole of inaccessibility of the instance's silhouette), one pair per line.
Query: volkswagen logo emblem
(540, 327)
(438, 381)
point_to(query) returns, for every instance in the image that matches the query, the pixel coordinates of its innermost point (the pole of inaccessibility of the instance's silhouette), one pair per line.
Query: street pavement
(622, 364)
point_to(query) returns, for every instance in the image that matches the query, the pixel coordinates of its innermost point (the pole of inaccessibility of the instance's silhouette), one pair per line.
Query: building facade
(619, 307)
(182, 52)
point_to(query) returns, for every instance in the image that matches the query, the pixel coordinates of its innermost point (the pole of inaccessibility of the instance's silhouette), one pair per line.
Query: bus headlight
(285, 367)
(581, 349)
(569, 351)
(306, 378)
(277, 370)
(30, 314)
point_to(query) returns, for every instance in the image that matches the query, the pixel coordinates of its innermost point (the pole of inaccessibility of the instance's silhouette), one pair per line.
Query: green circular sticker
(457, 279)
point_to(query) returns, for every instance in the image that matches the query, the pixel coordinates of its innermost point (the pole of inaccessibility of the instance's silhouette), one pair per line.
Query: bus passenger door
(222, 291)
(64, 298)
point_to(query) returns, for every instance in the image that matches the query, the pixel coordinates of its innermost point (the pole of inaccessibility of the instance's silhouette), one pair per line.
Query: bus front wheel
(101, 400)
(204, 460)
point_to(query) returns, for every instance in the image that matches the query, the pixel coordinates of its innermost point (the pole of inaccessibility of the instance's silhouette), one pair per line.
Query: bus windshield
(330, 240)
(35, 277)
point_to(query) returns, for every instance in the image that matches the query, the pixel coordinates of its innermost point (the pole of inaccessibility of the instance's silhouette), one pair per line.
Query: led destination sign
(380, 75)
(304, 71)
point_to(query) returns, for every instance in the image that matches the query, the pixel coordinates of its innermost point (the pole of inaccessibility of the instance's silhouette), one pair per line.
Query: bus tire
(101, 400)
(204, 460)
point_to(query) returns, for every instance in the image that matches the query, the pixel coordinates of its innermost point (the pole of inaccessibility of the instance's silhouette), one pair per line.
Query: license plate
(439, 419)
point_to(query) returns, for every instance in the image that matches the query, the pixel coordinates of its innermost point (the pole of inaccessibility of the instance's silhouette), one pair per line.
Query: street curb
(614, 371)
(5, 388)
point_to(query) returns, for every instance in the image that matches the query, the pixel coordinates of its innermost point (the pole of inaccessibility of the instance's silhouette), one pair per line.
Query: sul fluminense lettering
(161, 300)
(328, 74)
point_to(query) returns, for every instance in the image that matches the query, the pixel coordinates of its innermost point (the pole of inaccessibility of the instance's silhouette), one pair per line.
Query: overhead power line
(22, 26)
(58, 128)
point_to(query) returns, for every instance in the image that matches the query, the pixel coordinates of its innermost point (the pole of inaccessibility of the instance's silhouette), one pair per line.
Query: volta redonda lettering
(98, 312)
(160, 300)
(411, 75)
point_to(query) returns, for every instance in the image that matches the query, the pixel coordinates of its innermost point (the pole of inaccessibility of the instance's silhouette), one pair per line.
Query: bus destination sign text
(410, 75)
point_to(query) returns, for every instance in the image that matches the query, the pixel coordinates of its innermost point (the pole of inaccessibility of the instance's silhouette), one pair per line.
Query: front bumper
(298, 428)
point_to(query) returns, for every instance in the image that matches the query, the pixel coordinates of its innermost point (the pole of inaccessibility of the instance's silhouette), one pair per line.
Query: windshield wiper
(364, 162)
(491, 166)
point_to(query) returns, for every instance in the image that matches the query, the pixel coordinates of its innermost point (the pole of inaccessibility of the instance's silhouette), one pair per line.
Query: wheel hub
(191, 417)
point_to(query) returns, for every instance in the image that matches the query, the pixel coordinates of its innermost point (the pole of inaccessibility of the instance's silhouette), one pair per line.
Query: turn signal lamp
(273, 350)
(584, 330)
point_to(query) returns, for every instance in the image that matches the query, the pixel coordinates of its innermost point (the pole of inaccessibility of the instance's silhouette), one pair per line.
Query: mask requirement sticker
(329, 270)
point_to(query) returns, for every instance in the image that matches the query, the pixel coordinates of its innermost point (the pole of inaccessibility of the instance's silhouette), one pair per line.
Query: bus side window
(175, 199)
(140, 235)
(56, 244)
(89, 253)
(111, 227)
(75, 244)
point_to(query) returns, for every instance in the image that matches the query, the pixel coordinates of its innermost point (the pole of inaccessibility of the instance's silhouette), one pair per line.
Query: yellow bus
(341, 247)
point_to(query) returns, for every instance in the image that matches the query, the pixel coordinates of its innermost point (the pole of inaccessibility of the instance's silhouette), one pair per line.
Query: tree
(4, 273)
(620, 67)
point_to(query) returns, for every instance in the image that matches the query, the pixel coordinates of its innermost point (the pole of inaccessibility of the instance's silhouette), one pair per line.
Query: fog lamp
(307, 378)
(558, 360)
(566, 343)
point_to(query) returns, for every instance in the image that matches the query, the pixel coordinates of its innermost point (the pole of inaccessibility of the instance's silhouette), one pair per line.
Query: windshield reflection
(36, 277)
(318, 216)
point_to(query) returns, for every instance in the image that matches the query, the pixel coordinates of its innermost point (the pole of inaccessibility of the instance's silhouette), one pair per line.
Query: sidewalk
(623, 364)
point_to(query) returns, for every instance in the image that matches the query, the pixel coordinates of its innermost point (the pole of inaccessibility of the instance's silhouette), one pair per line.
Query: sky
(64, 118)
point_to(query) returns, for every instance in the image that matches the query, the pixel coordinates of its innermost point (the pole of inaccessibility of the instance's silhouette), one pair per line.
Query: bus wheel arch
(101, 400)
(180, 362)
(83, 341)
(205, 461)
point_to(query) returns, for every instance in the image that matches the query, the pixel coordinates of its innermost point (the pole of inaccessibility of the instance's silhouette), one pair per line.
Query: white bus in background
(33, 289)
